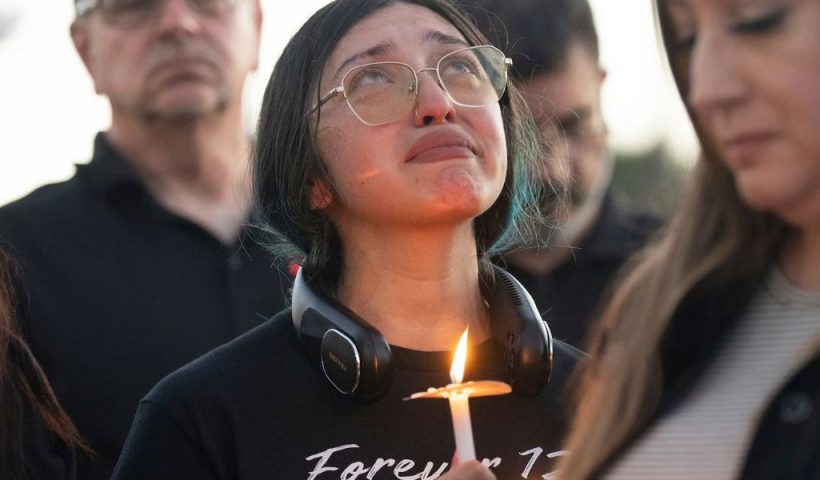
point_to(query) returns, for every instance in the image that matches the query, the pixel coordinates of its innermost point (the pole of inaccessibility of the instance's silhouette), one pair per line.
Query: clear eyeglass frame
(132, 13)
(340, 89)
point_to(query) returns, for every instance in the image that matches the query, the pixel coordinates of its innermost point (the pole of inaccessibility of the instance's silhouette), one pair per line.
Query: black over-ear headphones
(356, 358)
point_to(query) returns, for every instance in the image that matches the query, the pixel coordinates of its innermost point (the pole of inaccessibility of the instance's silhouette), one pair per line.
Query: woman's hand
(472, 470)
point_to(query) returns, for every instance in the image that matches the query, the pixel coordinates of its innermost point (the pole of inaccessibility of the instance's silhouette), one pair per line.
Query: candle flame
(459, 360)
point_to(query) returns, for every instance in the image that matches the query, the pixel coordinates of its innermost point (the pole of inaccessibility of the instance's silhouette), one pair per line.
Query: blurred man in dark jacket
(554, 47)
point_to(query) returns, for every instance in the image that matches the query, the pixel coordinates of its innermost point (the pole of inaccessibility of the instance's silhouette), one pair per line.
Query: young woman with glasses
(708, 365)
(393, 158)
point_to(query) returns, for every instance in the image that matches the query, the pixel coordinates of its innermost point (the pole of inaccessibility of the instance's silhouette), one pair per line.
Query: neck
(538, 257)
(801, 259)
(196, 168)
(556, 247)
(419, 288)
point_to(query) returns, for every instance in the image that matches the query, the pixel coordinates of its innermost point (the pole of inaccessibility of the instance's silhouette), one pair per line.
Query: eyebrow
(377, 50)
(575, 115)
(443, 38)
(385, 47)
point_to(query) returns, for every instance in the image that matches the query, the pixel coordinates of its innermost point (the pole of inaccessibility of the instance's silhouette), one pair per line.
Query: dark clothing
(122, 292)
(569, 295)
(47, 457)
(257, 408)
(786, 443)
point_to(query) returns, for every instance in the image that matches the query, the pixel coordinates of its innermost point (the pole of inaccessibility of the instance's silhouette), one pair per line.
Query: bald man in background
(139, 263)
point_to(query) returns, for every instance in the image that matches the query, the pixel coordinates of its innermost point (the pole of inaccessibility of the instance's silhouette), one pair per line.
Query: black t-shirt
(257, 409)
(46, 457)
(121, 292)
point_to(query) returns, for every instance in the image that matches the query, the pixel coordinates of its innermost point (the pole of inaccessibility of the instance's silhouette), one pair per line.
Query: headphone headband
(356, 358)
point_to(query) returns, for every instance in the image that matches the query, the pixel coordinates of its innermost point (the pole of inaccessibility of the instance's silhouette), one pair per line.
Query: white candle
(460, 404)
(462, 427)
(458, 394)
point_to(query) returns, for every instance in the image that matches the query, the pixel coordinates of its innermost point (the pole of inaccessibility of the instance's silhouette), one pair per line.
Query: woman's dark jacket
(786, 443)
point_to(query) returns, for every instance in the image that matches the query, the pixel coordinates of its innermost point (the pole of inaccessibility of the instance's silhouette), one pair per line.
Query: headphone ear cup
(353, 355)
(340, 361)
(524, 336)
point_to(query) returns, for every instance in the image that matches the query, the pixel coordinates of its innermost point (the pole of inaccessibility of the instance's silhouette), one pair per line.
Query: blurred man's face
(567, 109)
(180, 63)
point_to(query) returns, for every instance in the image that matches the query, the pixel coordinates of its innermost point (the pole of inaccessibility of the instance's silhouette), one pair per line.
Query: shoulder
(47, 456)
(631, 219)
(621, 229)
(42, 209)
(565, 358)
(44, 198)
(234, 368)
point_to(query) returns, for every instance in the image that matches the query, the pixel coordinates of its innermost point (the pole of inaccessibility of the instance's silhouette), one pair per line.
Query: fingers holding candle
(472, 470)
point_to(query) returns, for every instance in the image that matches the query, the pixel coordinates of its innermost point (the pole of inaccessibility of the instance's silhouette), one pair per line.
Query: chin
(183, 112)
(763, 197)
(456, 210)
(185, 105)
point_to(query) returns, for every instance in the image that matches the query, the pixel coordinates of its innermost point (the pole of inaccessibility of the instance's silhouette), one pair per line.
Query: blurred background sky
(49, 113)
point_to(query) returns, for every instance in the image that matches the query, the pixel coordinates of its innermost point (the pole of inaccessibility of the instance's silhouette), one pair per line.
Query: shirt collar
(617, 231)
(108, 172)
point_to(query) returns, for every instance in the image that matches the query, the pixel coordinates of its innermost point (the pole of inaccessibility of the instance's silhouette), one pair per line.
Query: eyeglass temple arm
(326, 97)
(81, 7)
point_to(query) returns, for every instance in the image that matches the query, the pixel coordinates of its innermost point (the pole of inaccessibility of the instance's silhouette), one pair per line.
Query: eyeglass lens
(382, 92)
(130, 12)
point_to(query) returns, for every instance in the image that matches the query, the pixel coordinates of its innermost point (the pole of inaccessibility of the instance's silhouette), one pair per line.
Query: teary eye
(366, 76)
(761, 23)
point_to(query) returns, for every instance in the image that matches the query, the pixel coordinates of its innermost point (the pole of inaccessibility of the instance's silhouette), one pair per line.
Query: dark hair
(536, 34)
(286, 160)
(24, 390)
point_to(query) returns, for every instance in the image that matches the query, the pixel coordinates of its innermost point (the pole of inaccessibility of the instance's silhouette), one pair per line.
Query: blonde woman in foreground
(707, 362)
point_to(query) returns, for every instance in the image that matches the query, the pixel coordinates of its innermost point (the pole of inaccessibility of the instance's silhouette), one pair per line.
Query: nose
(715, 79)
(433, 105)
(178, 16)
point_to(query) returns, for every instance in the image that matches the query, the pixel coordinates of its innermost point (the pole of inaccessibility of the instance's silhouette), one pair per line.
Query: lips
(190, 57)
(183, 68)
(741, 147)
(440, 146)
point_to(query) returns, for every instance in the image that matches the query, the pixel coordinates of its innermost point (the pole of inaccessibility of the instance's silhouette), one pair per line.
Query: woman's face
(440, 164)
(754, 87)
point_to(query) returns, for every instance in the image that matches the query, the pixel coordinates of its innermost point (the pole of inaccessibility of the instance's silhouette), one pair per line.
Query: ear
(82, 43)
(320, 195)
(602, 73)
(257, 25)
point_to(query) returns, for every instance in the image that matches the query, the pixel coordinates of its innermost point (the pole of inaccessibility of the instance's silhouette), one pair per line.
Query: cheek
(351, 158)
(490, 131)
(332, 150)
(805, 125)
(238, 50)
(105, 69)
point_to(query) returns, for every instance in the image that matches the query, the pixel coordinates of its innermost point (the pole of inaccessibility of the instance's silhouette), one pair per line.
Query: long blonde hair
(712, 231)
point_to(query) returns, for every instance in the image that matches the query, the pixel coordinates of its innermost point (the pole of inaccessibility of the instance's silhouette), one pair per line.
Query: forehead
(401, 26)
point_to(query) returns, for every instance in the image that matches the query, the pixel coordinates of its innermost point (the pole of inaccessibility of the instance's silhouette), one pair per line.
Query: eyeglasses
(138, 12)
(582, 131)
(382, 92)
